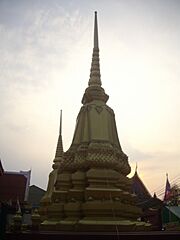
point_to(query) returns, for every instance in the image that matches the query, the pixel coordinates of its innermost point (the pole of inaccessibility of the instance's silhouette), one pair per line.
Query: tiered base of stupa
(101, 206)
(98, 219)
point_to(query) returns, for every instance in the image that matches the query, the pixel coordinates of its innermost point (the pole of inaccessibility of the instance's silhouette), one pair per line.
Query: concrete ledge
(157, 235)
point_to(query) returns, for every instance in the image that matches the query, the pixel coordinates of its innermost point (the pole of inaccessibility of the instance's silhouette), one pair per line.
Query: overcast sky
(46, 48)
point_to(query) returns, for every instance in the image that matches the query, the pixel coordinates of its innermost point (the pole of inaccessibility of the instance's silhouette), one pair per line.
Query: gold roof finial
(95, 76)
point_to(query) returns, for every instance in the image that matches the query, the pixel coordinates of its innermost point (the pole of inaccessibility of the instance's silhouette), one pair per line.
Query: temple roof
(139, 188)
(1, 168)
(144, 198)
(12, 187)
(35, 195)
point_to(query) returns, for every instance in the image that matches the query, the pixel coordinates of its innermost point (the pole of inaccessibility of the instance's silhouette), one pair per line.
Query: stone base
(98, 225)
(102, 226)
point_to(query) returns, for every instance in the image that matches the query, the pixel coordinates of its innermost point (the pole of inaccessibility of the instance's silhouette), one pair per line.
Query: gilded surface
(88, 189)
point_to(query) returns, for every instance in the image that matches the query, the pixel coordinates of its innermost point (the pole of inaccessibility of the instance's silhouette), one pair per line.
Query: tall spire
(95, 76)
(59, 149)
(60, 125)
(96, 44)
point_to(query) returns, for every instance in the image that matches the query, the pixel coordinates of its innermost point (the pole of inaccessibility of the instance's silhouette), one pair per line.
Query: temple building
(151, 205)
(14, 186)
(88, 188)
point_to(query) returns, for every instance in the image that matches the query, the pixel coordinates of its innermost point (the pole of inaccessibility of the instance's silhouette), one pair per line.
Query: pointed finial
(96, 44)
(95, 76)
(60, 125)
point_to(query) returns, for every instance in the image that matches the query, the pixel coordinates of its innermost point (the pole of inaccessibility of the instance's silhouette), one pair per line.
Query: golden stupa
(88, 188)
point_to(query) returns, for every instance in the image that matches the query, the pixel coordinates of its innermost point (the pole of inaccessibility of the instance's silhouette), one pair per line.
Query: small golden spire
(59, 149)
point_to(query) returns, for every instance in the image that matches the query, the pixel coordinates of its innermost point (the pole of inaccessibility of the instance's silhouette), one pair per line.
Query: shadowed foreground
(91, 236)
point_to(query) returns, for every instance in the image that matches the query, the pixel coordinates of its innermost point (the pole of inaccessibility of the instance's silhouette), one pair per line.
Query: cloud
(34, 57)
(45, 59)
